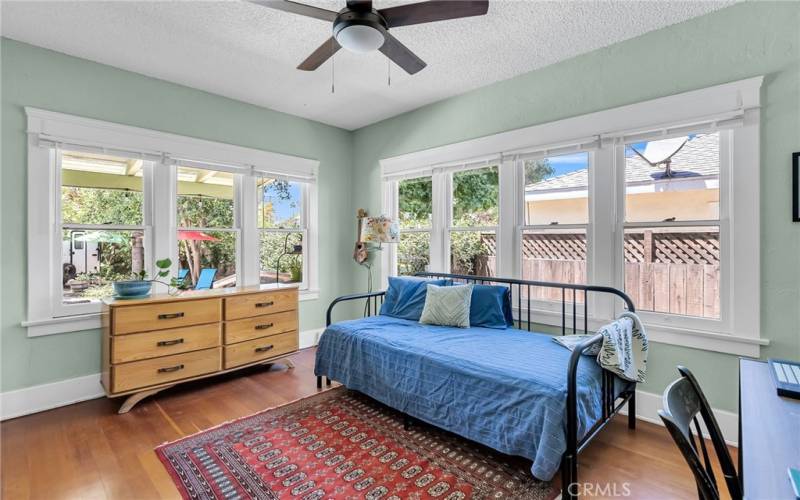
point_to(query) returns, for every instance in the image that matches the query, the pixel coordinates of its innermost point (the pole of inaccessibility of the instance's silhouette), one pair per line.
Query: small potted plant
(140, 286)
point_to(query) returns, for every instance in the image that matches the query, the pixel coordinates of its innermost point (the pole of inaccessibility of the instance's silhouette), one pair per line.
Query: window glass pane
(473, 252)
(100, 189)
(674, 270)
(557, 190)
(475, 197)
(673, 179)
(207, 258)
(281, 257)
(415, 202)
(205, 198)
(92, 260)
(554, 255)
(279, 203)
(413, 253)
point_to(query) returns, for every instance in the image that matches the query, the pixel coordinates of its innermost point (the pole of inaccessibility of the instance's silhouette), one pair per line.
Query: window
(641, 198)
(672, 225)
(474, 220)
(556, 212)
(207, 229)
(282, 226)
(415, 214)
(101, 225)
(99, 213)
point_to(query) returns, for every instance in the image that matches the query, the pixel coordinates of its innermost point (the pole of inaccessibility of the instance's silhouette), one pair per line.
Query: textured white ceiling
(248, 52)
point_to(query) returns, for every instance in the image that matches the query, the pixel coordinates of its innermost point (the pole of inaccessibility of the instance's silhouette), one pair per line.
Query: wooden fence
(666, 270)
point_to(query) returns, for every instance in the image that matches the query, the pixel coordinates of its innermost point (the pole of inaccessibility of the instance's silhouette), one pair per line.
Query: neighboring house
(691, 193)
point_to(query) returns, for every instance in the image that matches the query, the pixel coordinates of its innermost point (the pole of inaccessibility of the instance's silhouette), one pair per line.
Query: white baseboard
(66, 392)
(310, 338)
(648, 404)
(48, 396)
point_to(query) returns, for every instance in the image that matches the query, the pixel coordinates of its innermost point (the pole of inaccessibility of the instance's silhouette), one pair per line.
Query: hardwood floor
(88, 451)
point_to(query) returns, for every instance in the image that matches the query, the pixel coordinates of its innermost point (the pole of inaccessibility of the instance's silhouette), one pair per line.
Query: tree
(537, 170)
(210, 212)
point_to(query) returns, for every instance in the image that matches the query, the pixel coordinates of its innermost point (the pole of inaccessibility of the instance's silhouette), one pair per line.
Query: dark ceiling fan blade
(435, 10)
(298, 8)
(319, 56)
(401, 55)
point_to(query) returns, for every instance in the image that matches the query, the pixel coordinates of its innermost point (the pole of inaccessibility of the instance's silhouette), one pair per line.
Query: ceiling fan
(360, 28)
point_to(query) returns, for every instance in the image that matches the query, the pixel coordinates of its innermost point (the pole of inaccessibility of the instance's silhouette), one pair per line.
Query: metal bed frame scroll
(524, 321)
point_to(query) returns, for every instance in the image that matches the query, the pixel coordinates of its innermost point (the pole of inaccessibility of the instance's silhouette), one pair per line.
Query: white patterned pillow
(447, 306)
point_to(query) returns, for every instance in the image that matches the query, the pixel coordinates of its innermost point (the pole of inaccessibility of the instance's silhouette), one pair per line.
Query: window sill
(80, 322)
(684, 337)
(308, 295)
(53, 326)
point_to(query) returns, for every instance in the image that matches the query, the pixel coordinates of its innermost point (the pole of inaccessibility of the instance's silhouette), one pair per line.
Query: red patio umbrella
(195, 236)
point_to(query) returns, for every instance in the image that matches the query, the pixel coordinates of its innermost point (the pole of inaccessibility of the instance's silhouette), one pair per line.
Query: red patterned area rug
(341, 444)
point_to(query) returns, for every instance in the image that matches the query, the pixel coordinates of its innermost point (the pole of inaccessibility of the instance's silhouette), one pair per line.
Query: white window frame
(392, 207)
(60, 309)
(50, 131)
(733, 108)
(450, 228)
(235, 228)
(548, 307)
(693, 325)
(303, 230)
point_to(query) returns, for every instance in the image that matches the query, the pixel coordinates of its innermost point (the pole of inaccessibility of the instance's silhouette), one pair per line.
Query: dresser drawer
(148, 345)
(165, 315)
(262, 348)
(139, 374)
(256, 304)
(250, 328)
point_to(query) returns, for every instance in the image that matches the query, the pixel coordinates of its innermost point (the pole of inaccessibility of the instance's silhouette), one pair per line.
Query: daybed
(513, 390)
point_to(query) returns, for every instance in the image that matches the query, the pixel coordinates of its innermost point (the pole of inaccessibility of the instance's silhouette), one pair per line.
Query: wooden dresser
(154, 343)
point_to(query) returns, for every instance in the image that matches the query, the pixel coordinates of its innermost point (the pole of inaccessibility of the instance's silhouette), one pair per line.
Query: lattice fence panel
(667, 247)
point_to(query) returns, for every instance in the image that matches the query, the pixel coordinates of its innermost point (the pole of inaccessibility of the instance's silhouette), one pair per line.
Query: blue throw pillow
(491, 307)
(405, 297)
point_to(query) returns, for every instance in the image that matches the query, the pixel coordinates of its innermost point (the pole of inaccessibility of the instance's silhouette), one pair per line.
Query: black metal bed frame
(611, 404)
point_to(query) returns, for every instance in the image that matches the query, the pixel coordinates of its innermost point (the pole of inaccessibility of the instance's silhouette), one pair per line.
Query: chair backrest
(182, 273)
(206, 279)
(683, 401)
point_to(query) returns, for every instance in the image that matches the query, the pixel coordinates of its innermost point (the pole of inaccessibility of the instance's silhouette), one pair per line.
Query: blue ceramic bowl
(131, 289)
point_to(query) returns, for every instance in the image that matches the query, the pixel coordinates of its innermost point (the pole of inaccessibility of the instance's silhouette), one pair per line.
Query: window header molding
(49, 129)
(712, 106)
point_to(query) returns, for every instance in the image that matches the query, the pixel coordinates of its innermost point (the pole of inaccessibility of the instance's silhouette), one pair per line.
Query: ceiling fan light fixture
(360, 38)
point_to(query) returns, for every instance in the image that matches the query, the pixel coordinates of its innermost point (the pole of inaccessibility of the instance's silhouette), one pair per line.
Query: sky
(284, 209)
(565, 164)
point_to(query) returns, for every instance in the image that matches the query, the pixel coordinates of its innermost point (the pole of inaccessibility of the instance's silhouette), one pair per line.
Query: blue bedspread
(505, 389)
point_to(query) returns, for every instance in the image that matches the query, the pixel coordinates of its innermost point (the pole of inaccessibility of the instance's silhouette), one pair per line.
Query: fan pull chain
(388, 72)
(333, 67)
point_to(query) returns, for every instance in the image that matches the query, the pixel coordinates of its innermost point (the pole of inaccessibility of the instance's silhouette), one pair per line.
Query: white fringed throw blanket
(624, 349)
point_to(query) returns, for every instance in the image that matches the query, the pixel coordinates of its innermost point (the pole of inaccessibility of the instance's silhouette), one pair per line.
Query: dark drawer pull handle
(265, 304)
(264, 327)
(170, 369)
(264, 348)
(164, 343)
(170, 316)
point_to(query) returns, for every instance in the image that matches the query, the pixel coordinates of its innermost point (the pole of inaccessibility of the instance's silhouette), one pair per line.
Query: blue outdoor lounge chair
(206, 279)
(182, 273)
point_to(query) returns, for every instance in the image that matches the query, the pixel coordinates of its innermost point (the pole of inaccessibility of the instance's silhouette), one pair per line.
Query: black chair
(683, 400)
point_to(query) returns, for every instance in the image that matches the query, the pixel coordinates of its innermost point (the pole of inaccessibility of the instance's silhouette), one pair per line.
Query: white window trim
(732, 106)
(48, 129)
(305, 219)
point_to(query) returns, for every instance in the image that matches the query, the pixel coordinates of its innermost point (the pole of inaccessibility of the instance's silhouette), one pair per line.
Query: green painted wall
(738, 42)
(41, 78)
(734, 43)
